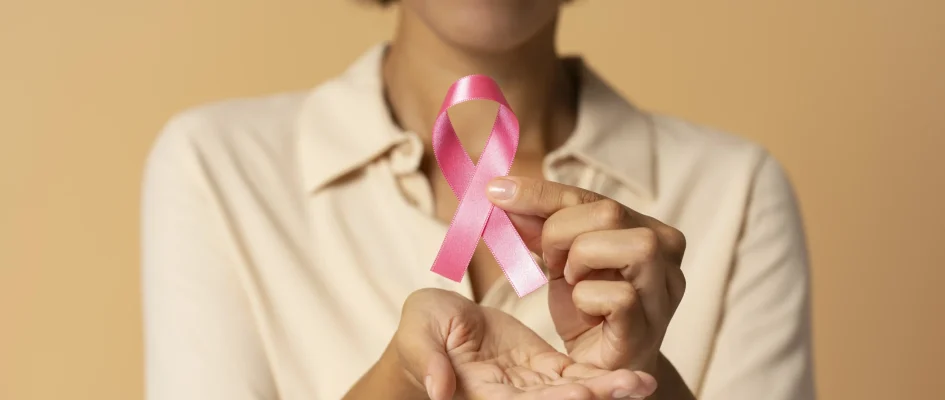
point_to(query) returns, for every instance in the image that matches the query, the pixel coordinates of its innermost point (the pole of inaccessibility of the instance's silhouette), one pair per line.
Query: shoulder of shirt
(227, 146)
(232, 131)
(705, 148)
(687, 135)
(268, 118)
(712, 161)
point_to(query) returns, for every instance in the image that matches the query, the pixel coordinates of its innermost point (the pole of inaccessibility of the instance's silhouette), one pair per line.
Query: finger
(632, 252)
(618, 303)
(426, 360)
(676, 286)
(582, 371)
(424, 356)
(536, 197)
(619, 384)
(421, 339)
(672, 240)
(629, 251)
(440, 381)
(563, 227)
(569, 391)
(530, 227)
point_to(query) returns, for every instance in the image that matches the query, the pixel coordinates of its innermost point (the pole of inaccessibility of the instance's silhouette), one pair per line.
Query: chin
(491, 26)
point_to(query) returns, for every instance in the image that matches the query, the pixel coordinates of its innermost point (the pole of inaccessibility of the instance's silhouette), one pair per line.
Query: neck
(419, 67)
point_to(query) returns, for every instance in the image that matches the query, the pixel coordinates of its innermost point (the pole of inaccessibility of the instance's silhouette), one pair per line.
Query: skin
(447, 345)
(615, 276)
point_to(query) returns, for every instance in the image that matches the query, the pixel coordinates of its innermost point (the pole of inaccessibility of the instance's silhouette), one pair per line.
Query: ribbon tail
(460, 243)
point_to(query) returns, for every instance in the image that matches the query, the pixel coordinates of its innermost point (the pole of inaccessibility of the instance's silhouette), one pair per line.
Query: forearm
(670, 384)
(386, 380)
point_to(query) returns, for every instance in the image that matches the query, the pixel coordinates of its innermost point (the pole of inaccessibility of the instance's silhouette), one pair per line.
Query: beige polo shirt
(282, 234)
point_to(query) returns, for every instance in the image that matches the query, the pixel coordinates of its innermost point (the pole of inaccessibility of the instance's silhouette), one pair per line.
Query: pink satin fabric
(476, 216)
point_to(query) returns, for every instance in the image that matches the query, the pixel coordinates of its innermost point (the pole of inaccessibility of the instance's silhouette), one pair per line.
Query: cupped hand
(452, 346)
(615, 277)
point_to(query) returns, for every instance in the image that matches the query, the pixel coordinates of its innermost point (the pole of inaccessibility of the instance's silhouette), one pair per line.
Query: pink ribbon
(476, 216)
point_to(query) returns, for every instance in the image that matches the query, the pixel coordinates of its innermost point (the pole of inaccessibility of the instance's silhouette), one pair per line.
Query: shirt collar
(612, 135)
(344, 124)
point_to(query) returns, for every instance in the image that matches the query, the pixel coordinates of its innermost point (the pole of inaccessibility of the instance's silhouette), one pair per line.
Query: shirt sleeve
(763, 348)
(200, 339)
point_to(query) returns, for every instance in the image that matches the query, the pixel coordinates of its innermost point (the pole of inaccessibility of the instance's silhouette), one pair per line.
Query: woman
(287, 240)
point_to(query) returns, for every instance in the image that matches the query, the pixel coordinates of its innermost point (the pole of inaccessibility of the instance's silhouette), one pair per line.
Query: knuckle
(609, 213)
(419, 296)
(674, 240)
(569, 198)
(588, 196)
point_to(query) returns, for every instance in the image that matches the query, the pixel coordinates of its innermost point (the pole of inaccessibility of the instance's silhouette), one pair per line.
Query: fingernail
(620, 394)
(501, 189)
(625, 394)
(649, 383)
(428, 382)
(567, 267)
(647, 388)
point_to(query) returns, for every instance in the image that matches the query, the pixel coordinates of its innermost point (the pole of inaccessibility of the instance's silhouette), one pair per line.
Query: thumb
(425, 358)
(529, 229)
(440, 380)
(422, 338)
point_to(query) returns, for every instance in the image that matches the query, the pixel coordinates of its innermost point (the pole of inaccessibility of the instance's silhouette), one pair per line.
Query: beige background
(849, 94)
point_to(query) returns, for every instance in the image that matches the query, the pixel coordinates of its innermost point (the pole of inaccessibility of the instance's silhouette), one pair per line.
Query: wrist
(654, 364)
(670, 385)
(649, 364)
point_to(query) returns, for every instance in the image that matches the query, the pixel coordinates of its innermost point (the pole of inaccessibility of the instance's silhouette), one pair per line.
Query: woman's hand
(449, 345)
(615, 278)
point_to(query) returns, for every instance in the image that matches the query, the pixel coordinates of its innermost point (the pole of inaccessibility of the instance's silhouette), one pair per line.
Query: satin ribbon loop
(476, 216)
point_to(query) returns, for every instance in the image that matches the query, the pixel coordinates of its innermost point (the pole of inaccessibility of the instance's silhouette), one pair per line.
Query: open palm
(496, 357)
